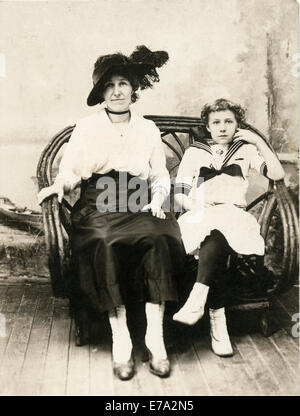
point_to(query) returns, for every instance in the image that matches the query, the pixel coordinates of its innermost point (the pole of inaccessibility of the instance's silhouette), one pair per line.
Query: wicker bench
(274, 209)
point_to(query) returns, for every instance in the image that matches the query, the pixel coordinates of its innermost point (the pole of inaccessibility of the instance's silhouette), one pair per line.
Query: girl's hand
(155, 208)
(51, 190)
(247, 135)
(184, 202)
(275, 170)
(187, 204)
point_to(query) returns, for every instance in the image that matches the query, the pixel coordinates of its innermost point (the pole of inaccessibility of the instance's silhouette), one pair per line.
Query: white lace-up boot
(220, 341)
(193, 309)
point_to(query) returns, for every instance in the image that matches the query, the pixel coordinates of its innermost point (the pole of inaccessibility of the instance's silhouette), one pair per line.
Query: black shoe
(124, 371)
(159, 366)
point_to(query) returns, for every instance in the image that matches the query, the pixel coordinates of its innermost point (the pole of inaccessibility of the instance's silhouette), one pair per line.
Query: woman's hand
(55, 189)
(248, 136)
(155, 207)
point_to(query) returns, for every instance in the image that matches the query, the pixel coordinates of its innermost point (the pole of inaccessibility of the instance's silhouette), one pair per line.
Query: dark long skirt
(122, 257)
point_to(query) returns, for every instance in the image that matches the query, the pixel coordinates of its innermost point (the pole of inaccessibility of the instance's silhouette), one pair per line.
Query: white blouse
(222, 188)
(97, 146)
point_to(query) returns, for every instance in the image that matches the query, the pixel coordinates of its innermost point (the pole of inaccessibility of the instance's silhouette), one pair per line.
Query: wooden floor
(38, 355)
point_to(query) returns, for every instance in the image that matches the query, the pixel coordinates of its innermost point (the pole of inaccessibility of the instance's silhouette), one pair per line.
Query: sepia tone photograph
(149, 200)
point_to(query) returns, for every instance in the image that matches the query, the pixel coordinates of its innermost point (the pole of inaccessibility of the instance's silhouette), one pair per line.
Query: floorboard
(266, 381)
(38, 355)
(101, 376)
(30, 381)
(78, 375)
(17, 344)
(193, 380)
(277, 366)
(55, 374)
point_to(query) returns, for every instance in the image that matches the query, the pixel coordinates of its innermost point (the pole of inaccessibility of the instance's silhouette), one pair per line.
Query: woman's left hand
(155, 208)
(247, 135)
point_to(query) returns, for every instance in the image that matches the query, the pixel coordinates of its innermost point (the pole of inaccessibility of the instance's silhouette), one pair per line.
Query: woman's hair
(126, 74)
(222, 104)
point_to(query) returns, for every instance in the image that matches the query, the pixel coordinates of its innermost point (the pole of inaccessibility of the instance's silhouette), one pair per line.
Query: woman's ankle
(121, 340)
(156, 346)
(154, 338)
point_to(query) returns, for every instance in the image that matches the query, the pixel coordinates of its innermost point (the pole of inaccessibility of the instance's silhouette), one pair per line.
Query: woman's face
(117, 93)
(222, 125)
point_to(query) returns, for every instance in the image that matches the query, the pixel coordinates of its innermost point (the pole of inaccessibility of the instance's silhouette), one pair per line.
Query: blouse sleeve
(256, 161)
(188, 169)
(72, 162)
(159, 174)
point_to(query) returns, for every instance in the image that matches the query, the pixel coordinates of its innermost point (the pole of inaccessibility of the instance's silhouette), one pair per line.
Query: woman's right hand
(55, 189)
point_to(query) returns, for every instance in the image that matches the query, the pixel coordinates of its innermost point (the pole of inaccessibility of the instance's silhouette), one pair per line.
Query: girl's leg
(154, 339)
(220, 340)
(121, 343)
(212, 263)
(219, 288)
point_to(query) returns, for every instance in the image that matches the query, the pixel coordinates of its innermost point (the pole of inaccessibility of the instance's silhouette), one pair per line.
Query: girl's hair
(126, 74)
(222, 104)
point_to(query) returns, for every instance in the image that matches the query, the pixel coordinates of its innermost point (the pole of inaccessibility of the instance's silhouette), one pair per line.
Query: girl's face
(117, 93)
(222, 125)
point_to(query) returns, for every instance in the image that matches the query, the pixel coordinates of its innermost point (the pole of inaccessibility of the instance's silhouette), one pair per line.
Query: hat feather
(143, 55)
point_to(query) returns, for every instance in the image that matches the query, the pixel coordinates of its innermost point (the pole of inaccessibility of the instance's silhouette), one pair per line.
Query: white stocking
(154, 338)
(121, 345)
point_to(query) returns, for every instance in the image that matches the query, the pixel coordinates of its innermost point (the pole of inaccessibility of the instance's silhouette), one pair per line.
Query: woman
(125, 248)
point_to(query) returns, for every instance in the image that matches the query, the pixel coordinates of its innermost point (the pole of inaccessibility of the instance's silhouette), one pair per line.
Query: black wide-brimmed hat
(141, 65)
